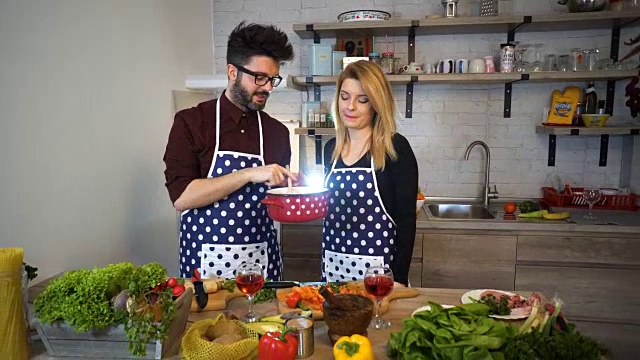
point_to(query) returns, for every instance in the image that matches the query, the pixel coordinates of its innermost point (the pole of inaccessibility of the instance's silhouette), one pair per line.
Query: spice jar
(374, 57)
(389, 63)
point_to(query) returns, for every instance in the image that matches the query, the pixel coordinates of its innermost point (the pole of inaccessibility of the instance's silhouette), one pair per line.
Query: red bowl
(301, 204)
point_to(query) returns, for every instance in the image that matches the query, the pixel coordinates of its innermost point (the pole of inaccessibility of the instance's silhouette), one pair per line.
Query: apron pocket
(348, 267)
(222, 260)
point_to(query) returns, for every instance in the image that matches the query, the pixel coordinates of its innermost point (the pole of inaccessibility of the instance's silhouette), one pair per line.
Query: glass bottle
(590, 99)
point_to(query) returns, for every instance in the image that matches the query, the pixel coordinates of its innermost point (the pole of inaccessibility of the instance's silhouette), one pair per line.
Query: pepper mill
(450, 8)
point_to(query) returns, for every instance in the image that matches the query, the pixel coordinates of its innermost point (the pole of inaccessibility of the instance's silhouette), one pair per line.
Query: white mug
(428, 68)
(445, 66)
(476, 66)
(461, 66)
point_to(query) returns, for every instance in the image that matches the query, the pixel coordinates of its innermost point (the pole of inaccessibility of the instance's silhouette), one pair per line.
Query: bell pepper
(278, 345)
(354, 347)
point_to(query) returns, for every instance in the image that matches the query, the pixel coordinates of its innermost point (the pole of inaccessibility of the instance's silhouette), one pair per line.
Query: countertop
(607, 221)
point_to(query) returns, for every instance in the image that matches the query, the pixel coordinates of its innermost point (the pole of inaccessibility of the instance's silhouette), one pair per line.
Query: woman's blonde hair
(378, 90)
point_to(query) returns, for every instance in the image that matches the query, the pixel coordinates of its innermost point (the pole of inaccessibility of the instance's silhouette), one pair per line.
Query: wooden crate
(62, 340)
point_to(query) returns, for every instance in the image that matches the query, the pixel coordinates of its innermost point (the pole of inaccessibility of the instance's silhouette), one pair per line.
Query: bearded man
(222, 156)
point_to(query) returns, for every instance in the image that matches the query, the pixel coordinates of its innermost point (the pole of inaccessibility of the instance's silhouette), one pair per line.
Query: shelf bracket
(318, 140)
(316, 36)
(551, 161)
(411, 53)
(408, 113)
(611, 84)
(508, 90)
(312, 133)
(604, 148)
(511, 35)
(317, 92)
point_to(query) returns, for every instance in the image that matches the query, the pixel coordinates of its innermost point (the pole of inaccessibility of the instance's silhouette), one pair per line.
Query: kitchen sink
(459, 211)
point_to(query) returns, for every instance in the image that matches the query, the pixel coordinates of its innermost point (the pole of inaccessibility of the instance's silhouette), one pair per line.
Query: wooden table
(398, 310)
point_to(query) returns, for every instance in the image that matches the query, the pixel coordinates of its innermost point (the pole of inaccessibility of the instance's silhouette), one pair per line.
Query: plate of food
(428, 308)
(503, 304)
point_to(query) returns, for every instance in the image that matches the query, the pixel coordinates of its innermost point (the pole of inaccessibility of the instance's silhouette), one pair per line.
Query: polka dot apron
(217, 238)
(358, 232)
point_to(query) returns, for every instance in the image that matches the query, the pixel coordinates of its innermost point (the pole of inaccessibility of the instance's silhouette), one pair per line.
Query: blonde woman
(372, 174)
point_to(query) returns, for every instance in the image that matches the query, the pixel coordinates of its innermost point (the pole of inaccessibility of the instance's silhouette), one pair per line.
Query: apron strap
(218, 120)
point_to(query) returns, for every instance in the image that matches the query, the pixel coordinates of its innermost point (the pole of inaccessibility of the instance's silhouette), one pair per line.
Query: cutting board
(217, 300)
(397, 293)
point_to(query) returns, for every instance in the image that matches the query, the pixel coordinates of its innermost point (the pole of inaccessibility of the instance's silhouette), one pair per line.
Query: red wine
(250, 283)
(378, 286)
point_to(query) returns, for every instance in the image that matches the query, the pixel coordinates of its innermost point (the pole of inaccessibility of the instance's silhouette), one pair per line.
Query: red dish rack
(608, 202)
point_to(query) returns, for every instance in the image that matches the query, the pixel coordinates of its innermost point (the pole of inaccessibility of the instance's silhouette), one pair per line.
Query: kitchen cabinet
(468, 261)
(593, 274)
(301, 251)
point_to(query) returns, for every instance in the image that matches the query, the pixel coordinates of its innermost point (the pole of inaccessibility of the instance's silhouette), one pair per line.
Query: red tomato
(293, 299)
(172, 282)
(178, 290)
(510, 208)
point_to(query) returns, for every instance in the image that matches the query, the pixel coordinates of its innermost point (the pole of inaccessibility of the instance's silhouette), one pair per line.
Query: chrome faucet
(486, 192)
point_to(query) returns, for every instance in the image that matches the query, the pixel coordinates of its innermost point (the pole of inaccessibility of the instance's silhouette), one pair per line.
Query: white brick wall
(448, 117)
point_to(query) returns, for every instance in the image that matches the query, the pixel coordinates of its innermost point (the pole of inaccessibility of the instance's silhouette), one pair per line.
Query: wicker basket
(62, 340)
(608, 202)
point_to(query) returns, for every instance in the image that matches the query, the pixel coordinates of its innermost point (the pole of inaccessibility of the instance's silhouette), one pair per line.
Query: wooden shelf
(603, 132)
(494, 78)
(392, 27)
(315, 131)
(567, 76)
(467, 25)
(581, 21)
(588, 131)
(470, 25)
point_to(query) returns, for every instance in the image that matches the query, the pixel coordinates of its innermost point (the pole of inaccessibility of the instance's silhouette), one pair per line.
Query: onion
(120, 301)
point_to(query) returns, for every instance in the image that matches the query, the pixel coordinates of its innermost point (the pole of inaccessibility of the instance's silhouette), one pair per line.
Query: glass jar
(389, 63)
(591, 59)
(374, 57)
(576, 56)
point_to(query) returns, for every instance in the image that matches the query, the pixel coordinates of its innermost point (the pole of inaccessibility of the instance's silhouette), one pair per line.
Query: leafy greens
(460, 332)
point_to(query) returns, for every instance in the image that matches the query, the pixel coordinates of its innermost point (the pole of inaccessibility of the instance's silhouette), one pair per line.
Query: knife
(288, 284)
(202, 298)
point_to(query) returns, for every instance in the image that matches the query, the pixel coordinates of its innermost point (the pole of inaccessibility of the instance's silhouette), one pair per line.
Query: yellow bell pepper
(354, 347)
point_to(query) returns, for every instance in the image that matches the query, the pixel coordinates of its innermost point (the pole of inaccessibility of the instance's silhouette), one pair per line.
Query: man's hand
(271, 175)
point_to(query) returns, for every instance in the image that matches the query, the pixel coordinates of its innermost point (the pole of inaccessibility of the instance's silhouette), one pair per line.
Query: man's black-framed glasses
(261, 79)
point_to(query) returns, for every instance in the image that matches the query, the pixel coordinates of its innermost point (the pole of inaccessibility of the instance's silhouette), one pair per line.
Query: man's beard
(243, 99)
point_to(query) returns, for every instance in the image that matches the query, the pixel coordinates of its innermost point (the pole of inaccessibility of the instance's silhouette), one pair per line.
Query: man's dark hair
(251, 40)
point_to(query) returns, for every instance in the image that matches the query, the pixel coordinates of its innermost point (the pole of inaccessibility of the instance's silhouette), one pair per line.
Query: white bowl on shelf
(364, 15)
(419, 204)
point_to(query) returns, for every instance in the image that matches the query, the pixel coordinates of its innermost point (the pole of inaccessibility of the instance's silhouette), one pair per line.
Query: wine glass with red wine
(378, 282)
(249, 280)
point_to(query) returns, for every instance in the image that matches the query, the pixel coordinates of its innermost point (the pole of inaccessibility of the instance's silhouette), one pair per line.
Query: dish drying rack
(575, 200)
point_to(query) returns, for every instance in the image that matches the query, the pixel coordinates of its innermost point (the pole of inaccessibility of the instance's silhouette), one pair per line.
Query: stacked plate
(364, 15)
